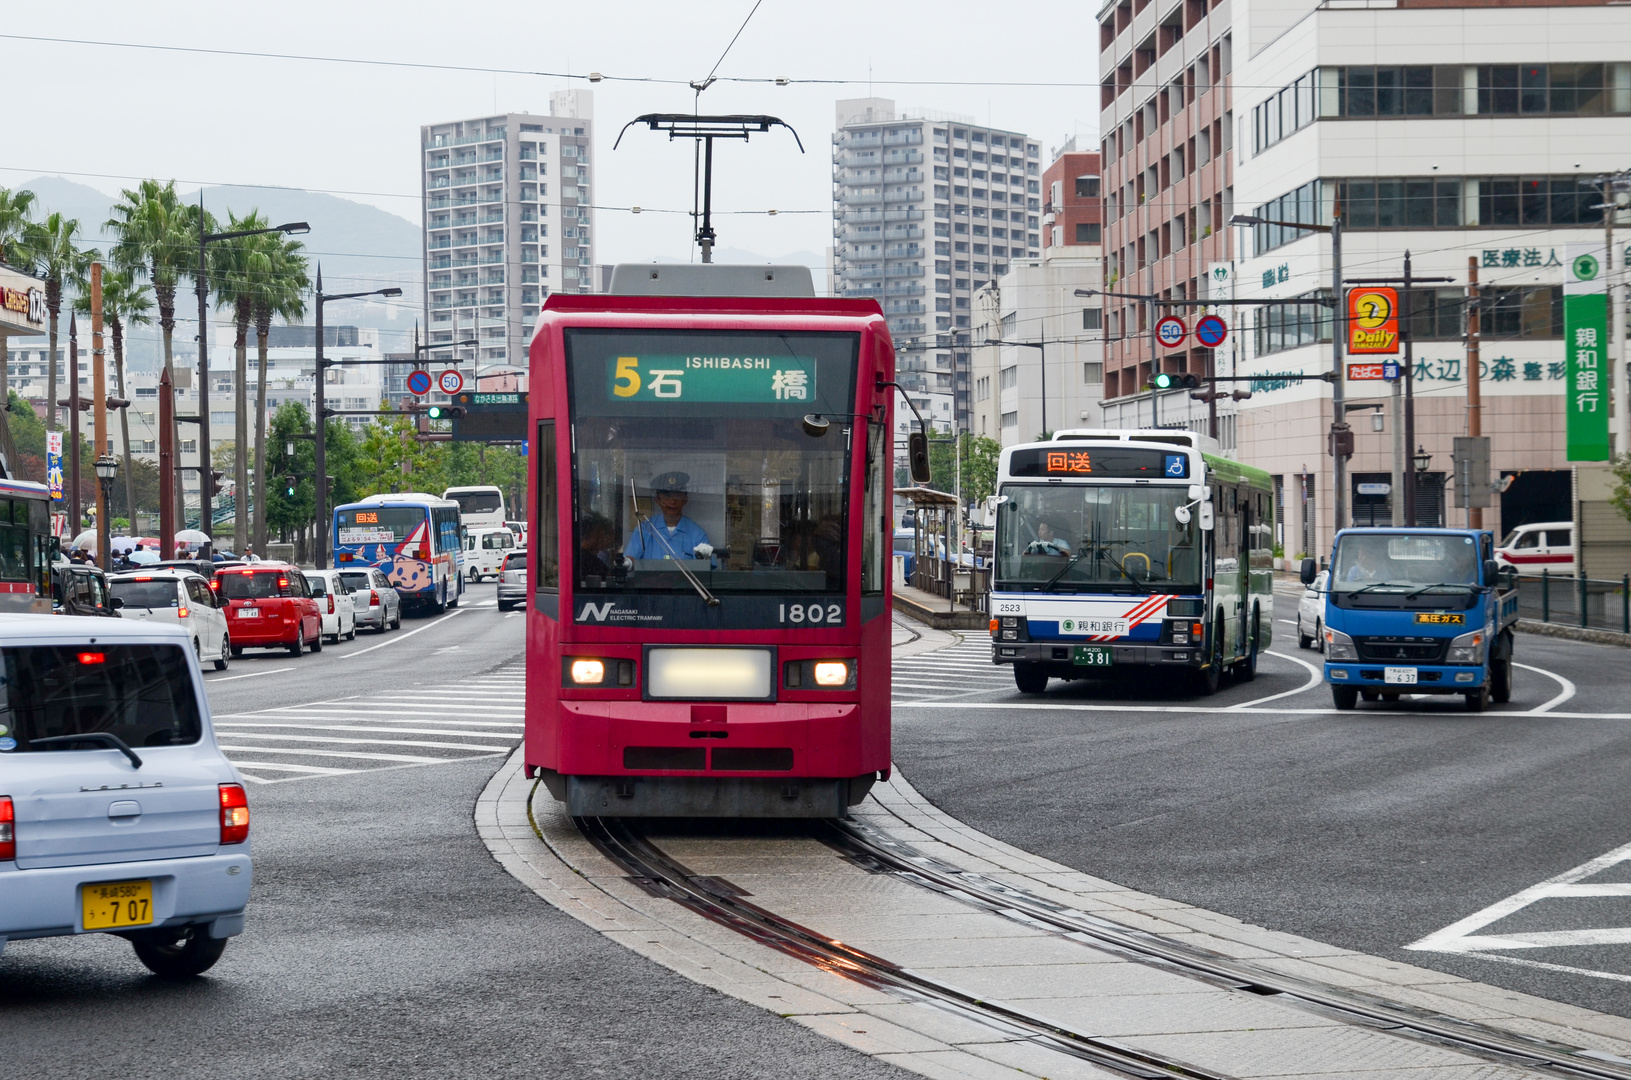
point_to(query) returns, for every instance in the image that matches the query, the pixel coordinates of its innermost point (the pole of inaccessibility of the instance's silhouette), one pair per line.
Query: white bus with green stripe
(1119, 552)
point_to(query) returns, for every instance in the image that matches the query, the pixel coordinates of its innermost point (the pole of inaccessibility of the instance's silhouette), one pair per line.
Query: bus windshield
(376, 525)
(477, 502)
(692, 446)
(1095, 538)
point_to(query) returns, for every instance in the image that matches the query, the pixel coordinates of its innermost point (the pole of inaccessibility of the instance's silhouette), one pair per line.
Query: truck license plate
(1092, 655)
(1400, 675)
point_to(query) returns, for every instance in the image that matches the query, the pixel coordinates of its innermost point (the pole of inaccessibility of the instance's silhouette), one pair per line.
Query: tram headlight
(835, 674)
(588, 672)
(831, 672)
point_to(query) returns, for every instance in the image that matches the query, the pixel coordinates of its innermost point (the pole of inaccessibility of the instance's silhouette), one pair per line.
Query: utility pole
(73, 429)
(99, 414)
(1341, 433)
(206, 502)
(320, 480)
(1410, 492)
(1155, 360)
(1475, 404)
(167, 465)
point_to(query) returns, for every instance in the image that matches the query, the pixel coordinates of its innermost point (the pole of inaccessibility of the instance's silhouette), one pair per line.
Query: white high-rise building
(927, 208)
(508, 219)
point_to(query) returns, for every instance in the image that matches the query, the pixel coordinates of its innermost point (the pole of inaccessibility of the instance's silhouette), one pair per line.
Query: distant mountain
(360, 246)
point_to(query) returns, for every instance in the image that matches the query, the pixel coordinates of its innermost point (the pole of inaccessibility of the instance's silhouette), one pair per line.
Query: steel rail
(882, 853)
(722, 903)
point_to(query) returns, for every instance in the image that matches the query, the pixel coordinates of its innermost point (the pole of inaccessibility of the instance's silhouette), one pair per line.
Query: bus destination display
(678, 378)
(1106, 462)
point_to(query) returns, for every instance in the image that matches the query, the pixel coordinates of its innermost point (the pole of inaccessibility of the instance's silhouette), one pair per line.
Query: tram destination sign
(676, 378)
(1099, 461)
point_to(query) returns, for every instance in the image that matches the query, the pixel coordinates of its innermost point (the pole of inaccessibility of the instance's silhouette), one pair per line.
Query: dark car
(82, 589)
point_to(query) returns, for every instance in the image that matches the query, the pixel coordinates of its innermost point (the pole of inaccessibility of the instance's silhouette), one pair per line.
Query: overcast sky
(80, 109)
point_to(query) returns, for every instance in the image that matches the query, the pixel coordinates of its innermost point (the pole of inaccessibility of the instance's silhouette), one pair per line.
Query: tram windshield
(1096, 538)
(691, 451)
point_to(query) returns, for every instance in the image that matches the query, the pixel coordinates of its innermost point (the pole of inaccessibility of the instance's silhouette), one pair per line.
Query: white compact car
(484, 551)
(1311, 613)
(1548, 545)
(182, 598)
(335, 603)
(118, 812)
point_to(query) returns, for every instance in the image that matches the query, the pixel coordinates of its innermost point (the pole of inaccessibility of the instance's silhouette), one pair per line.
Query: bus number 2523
(814, 614)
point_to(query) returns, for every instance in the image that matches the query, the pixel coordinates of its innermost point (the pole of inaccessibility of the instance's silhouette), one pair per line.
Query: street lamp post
(1341, 434)
(106, 469)
(205, 480)
(320, 481)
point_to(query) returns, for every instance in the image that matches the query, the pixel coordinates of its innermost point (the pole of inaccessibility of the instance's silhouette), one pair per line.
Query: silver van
(118, 812)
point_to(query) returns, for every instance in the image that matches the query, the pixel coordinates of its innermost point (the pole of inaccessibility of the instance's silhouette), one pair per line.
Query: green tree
(979, 466)
(391, 459)
(278, 273)
(1621, 496)
(284, 513)
(232, 272)
(124, 302)
(53, 251)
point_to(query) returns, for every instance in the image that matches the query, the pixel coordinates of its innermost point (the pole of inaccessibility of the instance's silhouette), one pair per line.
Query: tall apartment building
(1450, 129)
(927, 209)
(508, 219)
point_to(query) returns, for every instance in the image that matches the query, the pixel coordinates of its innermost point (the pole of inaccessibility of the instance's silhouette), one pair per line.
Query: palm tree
(125, 302)
(233, 277)
(54, 251)
(16, 211)
(279, 275)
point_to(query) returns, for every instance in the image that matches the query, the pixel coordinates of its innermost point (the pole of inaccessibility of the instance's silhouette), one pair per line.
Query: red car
(269, 606)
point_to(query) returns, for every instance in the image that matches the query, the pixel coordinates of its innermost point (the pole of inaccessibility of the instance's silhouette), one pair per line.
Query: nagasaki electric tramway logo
(610, 612)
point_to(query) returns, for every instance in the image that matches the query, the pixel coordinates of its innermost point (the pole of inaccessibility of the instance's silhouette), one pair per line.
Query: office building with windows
(1449, 129)
(928, 208)
(508, 219)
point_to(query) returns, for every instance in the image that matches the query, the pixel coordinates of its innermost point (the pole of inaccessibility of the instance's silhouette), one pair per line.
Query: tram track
(875, 851)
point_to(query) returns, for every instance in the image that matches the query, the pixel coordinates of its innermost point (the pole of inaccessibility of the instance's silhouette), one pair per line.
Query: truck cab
(1417, 611)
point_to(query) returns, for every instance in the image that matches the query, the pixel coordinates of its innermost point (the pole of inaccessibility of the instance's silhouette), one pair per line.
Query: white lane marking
(315, 770)
(367, 742)
(402, 637)
(1242, 711)
(356, 725)
(1315, 677)
(357, 754)
(512, 614)
(1568, 687)
(481, 733)
(1463, 937)
(251, 675)
(447, 648)
(359, 716)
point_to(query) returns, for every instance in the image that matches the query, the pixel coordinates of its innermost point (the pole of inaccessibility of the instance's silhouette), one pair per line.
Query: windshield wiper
(696, 583)
(1442, 585)
(1379, 585)
(1063, 570)
(106, 738)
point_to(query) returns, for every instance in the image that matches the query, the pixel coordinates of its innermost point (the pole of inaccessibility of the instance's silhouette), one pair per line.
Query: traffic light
(1166, 381)
(289, 486)
(446, 412)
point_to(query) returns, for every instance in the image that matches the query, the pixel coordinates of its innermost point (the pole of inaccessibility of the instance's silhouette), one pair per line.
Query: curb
(1575, 633)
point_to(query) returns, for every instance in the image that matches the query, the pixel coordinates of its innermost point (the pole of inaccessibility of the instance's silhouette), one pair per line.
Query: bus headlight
(1339, 646)
(1467, 649)
(588, 672)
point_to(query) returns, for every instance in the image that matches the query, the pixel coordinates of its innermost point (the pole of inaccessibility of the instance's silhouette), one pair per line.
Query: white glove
(703, 551)
(628, 564)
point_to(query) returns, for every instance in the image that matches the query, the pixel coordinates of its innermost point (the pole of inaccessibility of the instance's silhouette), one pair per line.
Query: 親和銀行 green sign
(670, 378)
(1586, 353)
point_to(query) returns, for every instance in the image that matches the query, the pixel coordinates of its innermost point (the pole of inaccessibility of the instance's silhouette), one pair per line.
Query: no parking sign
(1211, 331)
(419, 382)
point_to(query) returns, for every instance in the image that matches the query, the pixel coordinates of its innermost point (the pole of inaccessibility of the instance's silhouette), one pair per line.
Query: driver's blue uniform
(646, 544)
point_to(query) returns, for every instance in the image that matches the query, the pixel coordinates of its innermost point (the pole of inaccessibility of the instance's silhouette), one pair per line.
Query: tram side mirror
(917, 457)
(1309, 572)
(815, 425)
(1182, 514)
(1206, 517)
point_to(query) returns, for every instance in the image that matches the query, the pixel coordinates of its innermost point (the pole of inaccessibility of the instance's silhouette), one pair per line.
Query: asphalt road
(382, 938)
(1368, 829)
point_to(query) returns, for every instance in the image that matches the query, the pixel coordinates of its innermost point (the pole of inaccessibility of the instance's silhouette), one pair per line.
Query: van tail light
(184, 612)
(234, 814)
(331, 603)
(8, 830)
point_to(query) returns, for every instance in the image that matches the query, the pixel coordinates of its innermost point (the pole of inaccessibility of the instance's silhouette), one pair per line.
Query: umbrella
(121, 544)
(86, 540)
(191, 536)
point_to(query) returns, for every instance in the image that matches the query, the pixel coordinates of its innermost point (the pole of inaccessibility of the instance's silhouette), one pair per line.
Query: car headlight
(1468, 648)
(1339, 646)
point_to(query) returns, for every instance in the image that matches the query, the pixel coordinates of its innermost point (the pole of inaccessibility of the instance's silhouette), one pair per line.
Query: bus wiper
(702, 590)
(1063, 570)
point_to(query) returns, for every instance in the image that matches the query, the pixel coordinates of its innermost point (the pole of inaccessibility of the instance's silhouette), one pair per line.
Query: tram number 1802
(813, 614)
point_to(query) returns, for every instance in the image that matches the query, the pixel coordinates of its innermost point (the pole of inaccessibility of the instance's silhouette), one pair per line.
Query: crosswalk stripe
(359, 755)
(315, 770)
(480, 728)
(372, 742)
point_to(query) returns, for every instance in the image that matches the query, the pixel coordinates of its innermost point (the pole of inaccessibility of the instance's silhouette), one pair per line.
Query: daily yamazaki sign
(1373, 320)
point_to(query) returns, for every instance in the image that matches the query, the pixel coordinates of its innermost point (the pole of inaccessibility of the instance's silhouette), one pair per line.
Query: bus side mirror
(917, 457)
(1206, 517)
(1309, 572)
(1196, 492)
(1181, 514)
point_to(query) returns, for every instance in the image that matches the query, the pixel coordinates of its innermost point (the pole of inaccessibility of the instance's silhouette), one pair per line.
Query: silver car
(375, 602)
(512, 580)
(118, 812)
(1311, 613)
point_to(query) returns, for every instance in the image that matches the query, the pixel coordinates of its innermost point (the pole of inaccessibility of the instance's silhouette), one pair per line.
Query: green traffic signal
(1162, 381)
(434, 412)
(289, 484)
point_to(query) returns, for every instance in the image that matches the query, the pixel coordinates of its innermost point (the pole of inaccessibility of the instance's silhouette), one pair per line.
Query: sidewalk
(937, 611)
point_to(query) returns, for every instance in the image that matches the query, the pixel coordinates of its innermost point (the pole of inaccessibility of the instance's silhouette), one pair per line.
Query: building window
(1092, 318)
(1010, 419)
(1008, 378)
(1092, 371)
(1087, 187)
(1087, 232)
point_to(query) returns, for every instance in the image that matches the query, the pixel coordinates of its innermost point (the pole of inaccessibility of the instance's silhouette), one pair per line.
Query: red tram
(708, 630)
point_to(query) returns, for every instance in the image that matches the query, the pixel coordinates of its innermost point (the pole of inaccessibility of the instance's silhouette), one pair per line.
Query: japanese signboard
(713, 378)
(1373, 320)
(1585, 353)
(53, 463)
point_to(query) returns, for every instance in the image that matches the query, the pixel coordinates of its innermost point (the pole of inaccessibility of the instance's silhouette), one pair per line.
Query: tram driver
(676, 536)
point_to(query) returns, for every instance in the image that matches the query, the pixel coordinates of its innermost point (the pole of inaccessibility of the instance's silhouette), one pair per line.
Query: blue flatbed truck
(1417, 611)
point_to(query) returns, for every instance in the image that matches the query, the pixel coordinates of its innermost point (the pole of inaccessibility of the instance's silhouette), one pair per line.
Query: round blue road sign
(419, 382)
(1211, 331)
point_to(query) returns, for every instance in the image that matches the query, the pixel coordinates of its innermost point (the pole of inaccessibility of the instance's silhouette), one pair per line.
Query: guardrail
(1589, 603)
